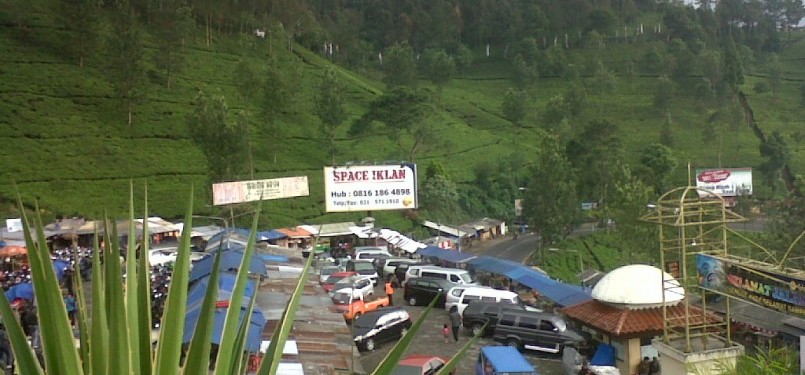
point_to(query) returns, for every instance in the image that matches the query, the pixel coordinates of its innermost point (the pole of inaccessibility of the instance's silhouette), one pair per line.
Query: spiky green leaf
(388, 363)
(198, 356)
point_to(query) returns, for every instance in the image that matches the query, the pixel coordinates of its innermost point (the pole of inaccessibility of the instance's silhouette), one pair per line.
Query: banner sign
(250, 191)
(727, 182)
(13, 225)
(370, 187)
(770, 289)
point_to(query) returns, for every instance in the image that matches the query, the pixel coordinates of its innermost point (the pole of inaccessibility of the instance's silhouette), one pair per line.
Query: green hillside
(66, 142)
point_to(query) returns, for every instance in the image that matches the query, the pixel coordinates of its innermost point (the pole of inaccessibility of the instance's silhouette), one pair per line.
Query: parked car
(460, 296)
(422, 290)
(363, 267)
(391, 264)
(402, 268)
(479, 314)
(420, 364)
(334, 278)
(358, 251)
(353, 304)
(455, 275)
(360, 284)
(536, 331)
(326, 271)
(379, 326)
(502, 360)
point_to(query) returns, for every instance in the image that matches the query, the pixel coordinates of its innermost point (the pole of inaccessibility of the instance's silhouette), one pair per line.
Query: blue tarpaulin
(560, 293)
(270, 235)
(59, 265)
(226, 283)
(507, 359)
(20, 291)
(230, 259)
(451, 256)
(604, 355)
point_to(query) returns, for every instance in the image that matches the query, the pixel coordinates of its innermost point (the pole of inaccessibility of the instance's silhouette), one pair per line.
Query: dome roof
(638, 286)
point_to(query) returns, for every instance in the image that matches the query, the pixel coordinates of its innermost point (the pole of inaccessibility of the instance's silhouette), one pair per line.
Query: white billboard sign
(370, 187)
(13, 225)
(255, 190)
(726, 182)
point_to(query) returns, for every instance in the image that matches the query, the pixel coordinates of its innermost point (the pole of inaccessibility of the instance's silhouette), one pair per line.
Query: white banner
(250, 191)
(13, 225)
(726, 182)
(370, 187)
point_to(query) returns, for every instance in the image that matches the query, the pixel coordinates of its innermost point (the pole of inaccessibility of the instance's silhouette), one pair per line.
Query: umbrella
(12, 251)
(20, 291)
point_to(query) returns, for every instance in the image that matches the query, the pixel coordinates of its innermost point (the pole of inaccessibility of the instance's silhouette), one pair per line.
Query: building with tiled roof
(627, 312)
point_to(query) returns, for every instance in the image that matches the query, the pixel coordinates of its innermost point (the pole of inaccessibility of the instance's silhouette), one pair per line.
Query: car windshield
(341, 298)
(365, 322)
(333, 279)
(329, 271)
(407, 370)
(468, 278)
(361, 266)
(345, 283)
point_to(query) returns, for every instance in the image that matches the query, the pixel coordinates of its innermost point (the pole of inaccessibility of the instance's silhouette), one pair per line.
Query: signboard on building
(726, 182)
(13, 225)
(770, 289)
(255, 190)
(370, 187)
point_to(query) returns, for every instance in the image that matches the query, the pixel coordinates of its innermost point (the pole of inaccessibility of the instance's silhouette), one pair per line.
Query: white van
(454, 275)
(460, 296)
(360, 250)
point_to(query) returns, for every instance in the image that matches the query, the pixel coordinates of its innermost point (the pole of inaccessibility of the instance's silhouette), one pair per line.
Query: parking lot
(430, 340)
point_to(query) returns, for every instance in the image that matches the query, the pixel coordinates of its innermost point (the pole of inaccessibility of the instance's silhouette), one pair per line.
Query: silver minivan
(454, 275)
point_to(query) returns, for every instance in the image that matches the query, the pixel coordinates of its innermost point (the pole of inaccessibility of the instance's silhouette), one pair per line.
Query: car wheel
(412, 301)
(369, 344)
(403, 331)
(513, 343)
(477, 329)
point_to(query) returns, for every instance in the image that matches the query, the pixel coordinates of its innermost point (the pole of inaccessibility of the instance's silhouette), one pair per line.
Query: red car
(420, 364)
(330, 282)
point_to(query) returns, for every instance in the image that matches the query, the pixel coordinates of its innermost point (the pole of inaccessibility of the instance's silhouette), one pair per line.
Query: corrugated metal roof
(330, 229)
(323, 339)
(297, 232)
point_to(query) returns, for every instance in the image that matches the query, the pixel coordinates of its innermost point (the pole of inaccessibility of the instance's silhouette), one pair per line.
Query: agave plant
(115, 336)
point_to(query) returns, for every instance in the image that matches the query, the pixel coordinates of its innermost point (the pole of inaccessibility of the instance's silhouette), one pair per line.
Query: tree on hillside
(221, 141)
(514, 106)
(330, 108)
(439, 196)
(550, 203)
(666, 132)
(524, 73)
(663, 91)
(439, 68)
(561, 108)
(659, 162)
(732, 66)
(402, 111)
(604, 79)
(721, 124)
(277, 95)
(777, 154)
(125, 59)
(710, 62)
(399, 66)
(775, 74)
(626, 206)
(81, 19)
(592, 153)
(681, 61)
(248, 86)
(174, 22)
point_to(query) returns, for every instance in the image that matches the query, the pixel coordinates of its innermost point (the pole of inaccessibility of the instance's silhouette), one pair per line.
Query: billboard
(726, 182)
(774, 290)
(370, 187)
(250, 191)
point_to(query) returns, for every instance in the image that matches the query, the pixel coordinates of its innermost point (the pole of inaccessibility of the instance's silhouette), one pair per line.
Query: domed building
(626, 311)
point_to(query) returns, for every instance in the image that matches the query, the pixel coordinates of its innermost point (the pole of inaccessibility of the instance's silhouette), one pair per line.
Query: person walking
(5, 349)
(69, 303)
(654, 366)
(446, 333)
(455, 321)
(643, 367)
(390, 291)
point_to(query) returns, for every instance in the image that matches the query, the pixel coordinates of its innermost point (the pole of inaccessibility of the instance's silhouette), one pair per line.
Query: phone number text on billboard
(370, 188)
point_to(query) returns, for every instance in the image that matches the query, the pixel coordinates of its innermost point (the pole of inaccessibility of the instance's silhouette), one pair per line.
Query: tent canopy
(451, 256)
(230, 259)
(270, 235)
(20, 291)
(195, 300)
(604, 355)
(560, 293)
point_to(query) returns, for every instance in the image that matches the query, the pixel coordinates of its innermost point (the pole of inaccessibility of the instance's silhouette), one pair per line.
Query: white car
(326, 271)
(360, 285)
(391, 264)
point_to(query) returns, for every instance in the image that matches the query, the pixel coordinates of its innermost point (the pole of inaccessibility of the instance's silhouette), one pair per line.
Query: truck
(352, 303)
